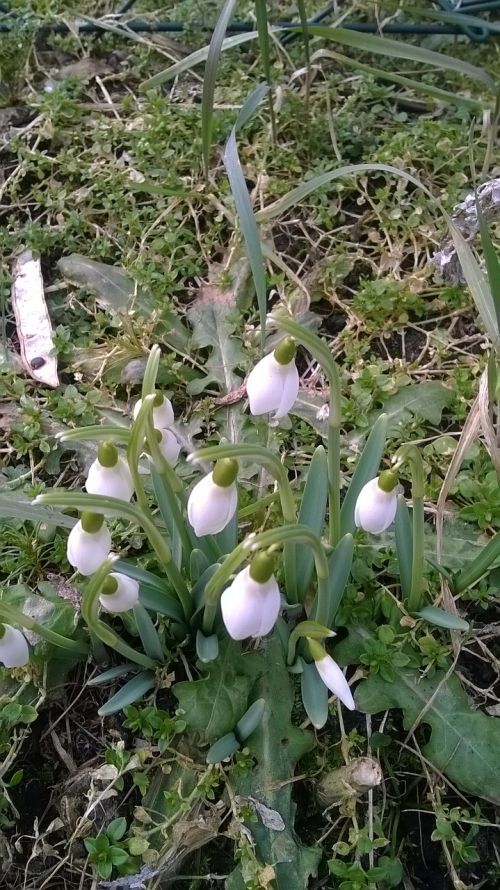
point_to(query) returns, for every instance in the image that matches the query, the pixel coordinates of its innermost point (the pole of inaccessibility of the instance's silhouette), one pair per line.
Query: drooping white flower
(273, 384)
(14, 651)
(376, 505)
(89, 543)
(169, 446)
(119, 593)
(334, 680)
(163, 413)
(250, 605)
(213, 501)
(109, 474)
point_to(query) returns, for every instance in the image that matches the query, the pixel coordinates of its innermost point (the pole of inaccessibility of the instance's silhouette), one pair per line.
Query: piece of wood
(33, 324)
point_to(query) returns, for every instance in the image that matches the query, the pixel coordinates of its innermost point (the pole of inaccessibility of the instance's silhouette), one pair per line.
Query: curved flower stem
(320, 351)
(90, 613)
(151, 371)
(410, 454)
(160, 463)
(14, 616)
(106, 432)
(260, 455)
(136, 445)
(96, 503)
(276, 537)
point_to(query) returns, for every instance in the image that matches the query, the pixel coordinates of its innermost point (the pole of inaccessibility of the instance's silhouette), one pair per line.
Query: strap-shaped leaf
(404, 545)
(147, 633)
(339, 565)
(314, 695)
(312, 513)
(128, 694)
(366, 469)
(440, 618)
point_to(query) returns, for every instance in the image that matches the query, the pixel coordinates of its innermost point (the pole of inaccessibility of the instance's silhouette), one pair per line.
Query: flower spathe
(334, 680)
(163, 413)
(250, 608)
(14, 650)
(89, 543)
(123, 593)
(273, 385)
(113, 481)
(375, 508)
(214, 499)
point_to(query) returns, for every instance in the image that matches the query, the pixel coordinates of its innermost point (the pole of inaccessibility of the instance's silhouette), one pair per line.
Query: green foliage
(108, 851)
(153, 724)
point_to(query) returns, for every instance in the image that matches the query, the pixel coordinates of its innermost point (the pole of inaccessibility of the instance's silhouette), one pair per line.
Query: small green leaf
(113, 673)
(207, 648)
(147, 632)
(116, 829)
(224, 747)
(128, 694)
(442, 619)
(250, 720)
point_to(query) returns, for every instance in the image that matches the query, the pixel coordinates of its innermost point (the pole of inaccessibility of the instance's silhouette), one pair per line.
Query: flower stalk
(10, 615)
(410, 454)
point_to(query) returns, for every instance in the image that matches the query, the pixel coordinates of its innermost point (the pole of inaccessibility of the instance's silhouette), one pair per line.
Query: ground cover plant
(249, 542)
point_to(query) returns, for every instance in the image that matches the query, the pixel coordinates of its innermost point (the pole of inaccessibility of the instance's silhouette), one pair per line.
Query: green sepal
(250, 720)
(128, 694)
(440, 618)
(224, 747)
(314, 695)
(207, 648)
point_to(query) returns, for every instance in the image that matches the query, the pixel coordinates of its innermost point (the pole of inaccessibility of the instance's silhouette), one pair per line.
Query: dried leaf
(33, 324)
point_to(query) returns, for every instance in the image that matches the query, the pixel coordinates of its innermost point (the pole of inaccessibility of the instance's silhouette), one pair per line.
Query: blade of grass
(243, 205)
(207, 102)
(492, 264)
(263, 31)
(195, 58)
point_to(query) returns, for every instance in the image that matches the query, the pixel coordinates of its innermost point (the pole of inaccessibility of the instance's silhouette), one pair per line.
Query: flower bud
(14, 651)
(109, 474)
(273, 384)
(331, 674)
(377, 503)
(89, 543)
(211, 504)
(119, 593)
(163, 413)
(250, 608)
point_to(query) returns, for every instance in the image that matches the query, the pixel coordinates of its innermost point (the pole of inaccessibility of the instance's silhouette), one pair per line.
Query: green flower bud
(110, 586)
(107, 454)
(387, 481)
(91, 522)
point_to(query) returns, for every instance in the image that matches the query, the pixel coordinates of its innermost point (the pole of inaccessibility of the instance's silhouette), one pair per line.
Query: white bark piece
(34, 328)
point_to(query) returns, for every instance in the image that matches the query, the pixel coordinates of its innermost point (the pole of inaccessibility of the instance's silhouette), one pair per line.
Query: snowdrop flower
(251, 604)
(213, 501)
(109, 474)
(119, 593)
(163, 413)
(273, 384)
(377, 503)
(14, 650)
(331, 674)
(169, 446)
(89, 543)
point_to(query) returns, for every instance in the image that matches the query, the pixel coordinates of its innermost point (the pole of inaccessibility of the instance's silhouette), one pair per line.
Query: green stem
(136, 445)
(320, 351)
(260, 455)
(13, 616)
(106, 432)
(90, 613)
(478, 566)
(410, 454)
(96, 503)
(151, 371)
(162, 465)
(276, 537)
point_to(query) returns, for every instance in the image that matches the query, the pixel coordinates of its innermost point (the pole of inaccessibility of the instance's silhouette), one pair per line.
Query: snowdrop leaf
(404, 545)
(110, 284)
(314, 695)
(366, 469)
(131, 692)
(442, 619)
(464, 742)
(312, 513)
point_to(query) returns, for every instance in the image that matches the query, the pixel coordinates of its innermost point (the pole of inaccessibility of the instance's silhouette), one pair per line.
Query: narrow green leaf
(492, 265)
(198, 563)
(175, 523)
(195, 58)
(128, 694)
(339, 565)
(475, 569)
(224, 747)
(314, 695)
(160, 601)
(132, 570)
(442, 619)
(14, 505)
(147, 633)
(243, 204)
(263, 32)
(113, 673)
(312, 513)
(207, 102)
(366, 469)
(476, 281)
(250, 720)
(207, 648)
(304, 25)
(404, 545)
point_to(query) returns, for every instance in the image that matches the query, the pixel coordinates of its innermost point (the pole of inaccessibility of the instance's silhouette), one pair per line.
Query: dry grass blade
(207, 102)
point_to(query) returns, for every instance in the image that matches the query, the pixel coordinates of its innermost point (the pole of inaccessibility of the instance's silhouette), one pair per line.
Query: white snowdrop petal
(250, 609)
(163, 415)
(334, 679)
(289, 392)
(375, 509)
(169, 446)
(113, 482)
(210, 506)
(14, 650)
(86, 552)
(125, 596)
(270, 606)
(265, 386)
